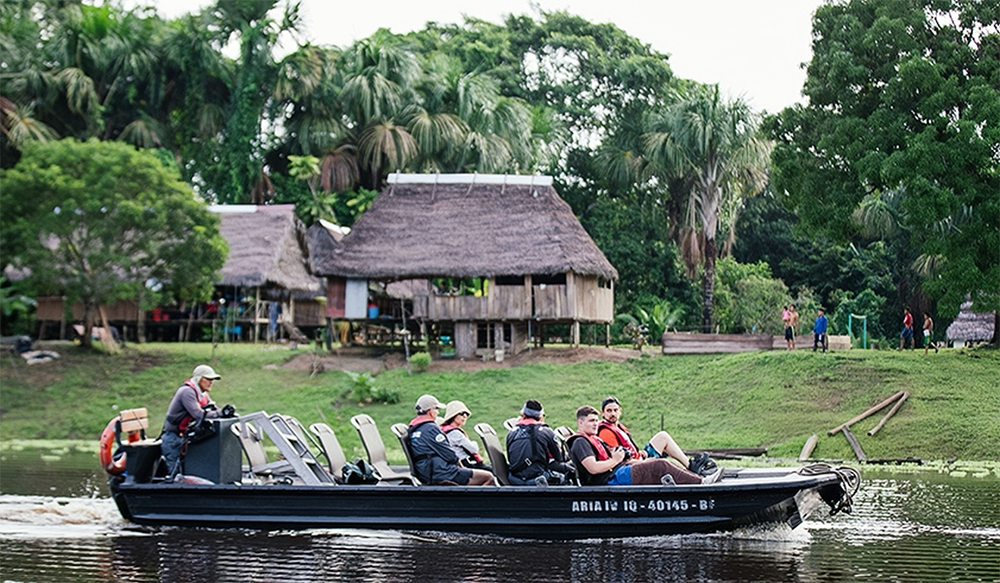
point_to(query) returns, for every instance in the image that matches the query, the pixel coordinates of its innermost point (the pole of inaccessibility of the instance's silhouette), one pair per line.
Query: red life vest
(622, 435)
(600, 448)
(446, 429)
(202, 401)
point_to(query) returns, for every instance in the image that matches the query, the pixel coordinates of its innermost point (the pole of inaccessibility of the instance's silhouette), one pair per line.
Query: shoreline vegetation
(772, 399)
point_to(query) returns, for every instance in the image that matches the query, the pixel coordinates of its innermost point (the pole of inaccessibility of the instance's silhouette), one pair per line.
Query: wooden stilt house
(268, 263)
(491, 258)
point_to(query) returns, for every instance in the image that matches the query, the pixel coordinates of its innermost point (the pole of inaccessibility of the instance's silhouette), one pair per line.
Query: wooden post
(808, 448)
(855, 445)
(107, 339)
(891, 412)
(867, 413)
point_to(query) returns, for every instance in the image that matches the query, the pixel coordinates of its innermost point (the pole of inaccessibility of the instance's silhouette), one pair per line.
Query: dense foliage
(925, 75)
(102, 222)
(661, 171)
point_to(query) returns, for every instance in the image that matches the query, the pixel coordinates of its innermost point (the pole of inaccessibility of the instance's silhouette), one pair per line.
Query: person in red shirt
(907, 334)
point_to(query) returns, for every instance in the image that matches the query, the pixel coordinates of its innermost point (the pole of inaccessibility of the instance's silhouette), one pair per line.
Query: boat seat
(334, 454)
(495, 451)
(400, 431)
(375, 447)
(509, 424)
(563, 433)
(259, 468)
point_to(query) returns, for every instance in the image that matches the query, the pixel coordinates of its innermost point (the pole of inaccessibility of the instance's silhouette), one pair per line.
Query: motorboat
(229, 482)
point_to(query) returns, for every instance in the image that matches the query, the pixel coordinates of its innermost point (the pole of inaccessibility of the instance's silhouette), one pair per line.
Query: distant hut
(494, 257)
(970, 327)
(267, 263)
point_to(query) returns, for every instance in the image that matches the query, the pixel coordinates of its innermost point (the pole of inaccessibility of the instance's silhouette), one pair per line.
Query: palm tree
(713, 144)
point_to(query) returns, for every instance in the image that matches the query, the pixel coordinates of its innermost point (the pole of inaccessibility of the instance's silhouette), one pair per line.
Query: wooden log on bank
(808, 448)
(867, 413)
(731, 453)
(891, 412)
(855, 445)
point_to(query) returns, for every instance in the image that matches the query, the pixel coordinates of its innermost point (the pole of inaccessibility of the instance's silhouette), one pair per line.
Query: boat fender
(112, 462)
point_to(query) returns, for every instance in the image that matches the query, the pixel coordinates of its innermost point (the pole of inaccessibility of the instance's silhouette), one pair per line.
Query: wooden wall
(685, 343)
(580, 299)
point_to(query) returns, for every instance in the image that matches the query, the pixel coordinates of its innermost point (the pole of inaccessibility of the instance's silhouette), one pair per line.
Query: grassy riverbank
(770, 399)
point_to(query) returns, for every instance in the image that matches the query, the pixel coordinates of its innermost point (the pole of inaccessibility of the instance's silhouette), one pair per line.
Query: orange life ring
(109, 438)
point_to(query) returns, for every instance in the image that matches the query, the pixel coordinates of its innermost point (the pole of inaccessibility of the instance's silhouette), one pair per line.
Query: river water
(57, 523)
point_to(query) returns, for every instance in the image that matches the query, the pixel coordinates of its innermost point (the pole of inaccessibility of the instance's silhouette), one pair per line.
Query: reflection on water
(905, 527)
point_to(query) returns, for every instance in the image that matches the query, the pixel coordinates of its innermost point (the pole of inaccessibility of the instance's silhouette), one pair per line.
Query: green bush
(420, 361)
(362, 386)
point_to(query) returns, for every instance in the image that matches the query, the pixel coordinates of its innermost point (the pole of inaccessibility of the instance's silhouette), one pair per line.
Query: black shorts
(789, 334)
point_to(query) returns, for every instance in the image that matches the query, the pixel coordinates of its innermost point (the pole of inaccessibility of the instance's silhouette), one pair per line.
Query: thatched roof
(970, 326)
(265, 248)
(322, 238)
(464, 225)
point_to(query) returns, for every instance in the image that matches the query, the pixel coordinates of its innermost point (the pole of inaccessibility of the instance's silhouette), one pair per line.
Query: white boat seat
(375, 447)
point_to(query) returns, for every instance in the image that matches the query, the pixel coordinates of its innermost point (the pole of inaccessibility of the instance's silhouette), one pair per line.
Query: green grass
(770, 399)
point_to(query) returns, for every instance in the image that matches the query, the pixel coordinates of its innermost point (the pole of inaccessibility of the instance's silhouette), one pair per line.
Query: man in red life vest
(189, 406)
(612, 432)
(600, 465)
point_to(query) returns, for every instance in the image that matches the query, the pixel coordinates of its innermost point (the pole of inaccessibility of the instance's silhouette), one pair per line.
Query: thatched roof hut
(464, 225)
(266, 249)
(970, 327)
(527, 258)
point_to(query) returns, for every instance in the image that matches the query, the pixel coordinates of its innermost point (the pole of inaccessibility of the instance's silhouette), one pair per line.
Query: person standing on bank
(188, 408)
(433, 459)
(456, 414)
(907, 334)
(929, 333)
(819, 329)
(791, 325)
(534, 452)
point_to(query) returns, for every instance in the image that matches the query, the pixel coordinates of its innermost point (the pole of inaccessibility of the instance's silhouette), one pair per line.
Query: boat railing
(296, 453)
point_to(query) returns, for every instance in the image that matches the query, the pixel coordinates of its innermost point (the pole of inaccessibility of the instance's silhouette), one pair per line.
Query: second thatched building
(488, 258)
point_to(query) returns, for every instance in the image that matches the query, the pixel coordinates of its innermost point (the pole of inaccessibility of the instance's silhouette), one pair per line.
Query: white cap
(427, 402)
(203, 371)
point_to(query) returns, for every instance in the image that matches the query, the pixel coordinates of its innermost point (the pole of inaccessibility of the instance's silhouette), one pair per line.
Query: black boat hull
(528, 512)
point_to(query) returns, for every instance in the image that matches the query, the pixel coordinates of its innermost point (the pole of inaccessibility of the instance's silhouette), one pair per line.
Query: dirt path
(358, 361)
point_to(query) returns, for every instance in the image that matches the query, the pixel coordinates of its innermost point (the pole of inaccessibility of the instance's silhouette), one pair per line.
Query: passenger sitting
(455, 416)
(600, 465)
(613, 433)
(533, 451)
(433, 459)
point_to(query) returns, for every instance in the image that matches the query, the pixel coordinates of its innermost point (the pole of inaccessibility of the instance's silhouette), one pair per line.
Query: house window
(510, 280)
(553, 279)
(459, 286)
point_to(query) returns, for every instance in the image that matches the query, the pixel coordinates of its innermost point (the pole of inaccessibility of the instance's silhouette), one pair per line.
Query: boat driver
(600, 465)
(190, 405)
(613, 433)
(434, 461)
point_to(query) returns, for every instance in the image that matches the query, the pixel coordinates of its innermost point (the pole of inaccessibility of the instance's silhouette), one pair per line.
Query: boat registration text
(591, 506)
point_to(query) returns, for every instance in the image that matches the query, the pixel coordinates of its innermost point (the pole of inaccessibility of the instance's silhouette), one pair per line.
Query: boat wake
(58, 517)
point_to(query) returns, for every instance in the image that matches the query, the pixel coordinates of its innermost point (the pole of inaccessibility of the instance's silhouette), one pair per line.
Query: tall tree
(904, 97)
(714, 145)
(102, 222)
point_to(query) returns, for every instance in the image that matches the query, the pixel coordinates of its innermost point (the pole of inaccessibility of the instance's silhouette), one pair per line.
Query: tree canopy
(925, 75)
(102, 222)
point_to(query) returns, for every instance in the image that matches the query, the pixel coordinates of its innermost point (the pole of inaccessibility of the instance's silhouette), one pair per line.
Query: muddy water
(57, 524)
